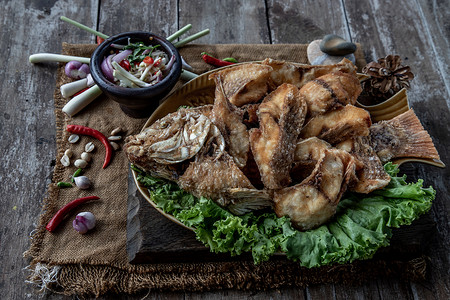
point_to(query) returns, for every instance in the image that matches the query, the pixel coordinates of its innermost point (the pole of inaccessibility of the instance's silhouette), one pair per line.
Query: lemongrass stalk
(43, 57)
(186, 75)
(179, 32)
(191, 38)
(124, 80)
(84, 27)
(73, 87)
(128, 75)
(80, 101)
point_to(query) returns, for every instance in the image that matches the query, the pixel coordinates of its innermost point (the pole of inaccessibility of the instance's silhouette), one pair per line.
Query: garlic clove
(83, 222)
(82, 182)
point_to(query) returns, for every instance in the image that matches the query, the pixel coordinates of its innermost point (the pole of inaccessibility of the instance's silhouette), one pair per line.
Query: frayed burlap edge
(97, 280)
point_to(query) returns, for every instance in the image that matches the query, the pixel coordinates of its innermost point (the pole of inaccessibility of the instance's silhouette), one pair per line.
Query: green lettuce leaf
(362, 223)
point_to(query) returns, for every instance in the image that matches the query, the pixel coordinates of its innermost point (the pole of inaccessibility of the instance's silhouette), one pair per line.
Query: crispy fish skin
(281, 115)
(285, 72)
(229, 119)
(313, 201)
(330, 91)
(244, 84)
(370, 174)
(338, 125)
(402, 136)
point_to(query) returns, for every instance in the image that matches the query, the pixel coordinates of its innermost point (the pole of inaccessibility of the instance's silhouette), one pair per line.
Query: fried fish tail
(402, 136)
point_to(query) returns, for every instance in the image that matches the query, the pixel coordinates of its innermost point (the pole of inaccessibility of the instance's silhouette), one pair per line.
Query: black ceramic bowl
(135, 102)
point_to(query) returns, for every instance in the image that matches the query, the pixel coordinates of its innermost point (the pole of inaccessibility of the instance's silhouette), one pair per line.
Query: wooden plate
(200, 91)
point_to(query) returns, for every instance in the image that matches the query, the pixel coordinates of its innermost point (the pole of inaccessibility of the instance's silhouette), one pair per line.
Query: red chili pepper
(125, 64)
(60, 214)
(83, 130)
(214, 61)
(100, 40)
(148, 60)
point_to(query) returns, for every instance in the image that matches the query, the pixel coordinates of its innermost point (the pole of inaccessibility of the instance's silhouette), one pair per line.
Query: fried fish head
(338, 125)
(244, 84)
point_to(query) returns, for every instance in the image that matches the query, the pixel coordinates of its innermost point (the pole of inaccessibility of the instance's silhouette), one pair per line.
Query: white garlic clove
(82, 182)
(73, 138)
(80, 163)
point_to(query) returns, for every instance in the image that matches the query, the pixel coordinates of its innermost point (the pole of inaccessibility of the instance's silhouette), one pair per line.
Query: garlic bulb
(84, 221)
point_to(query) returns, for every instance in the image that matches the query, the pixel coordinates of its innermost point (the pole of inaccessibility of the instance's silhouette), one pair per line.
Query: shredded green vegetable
(361, 226)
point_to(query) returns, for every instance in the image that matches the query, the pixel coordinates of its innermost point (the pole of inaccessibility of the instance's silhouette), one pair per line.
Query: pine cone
(388, 77)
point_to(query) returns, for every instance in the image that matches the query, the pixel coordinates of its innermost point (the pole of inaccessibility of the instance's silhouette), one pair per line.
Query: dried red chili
(60, 214)
(100, 40)
(84, 130)
(214, 61)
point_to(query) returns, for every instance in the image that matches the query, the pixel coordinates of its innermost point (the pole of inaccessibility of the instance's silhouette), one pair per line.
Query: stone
(335, 45)
(317, 57)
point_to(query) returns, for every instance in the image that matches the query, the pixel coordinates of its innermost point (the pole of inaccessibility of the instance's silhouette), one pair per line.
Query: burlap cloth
(96, 263)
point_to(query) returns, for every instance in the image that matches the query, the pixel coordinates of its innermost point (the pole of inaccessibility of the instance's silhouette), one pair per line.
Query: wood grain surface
(417, 30)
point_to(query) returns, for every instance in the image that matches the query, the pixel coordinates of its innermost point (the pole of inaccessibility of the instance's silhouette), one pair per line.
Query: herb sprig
(140, 51)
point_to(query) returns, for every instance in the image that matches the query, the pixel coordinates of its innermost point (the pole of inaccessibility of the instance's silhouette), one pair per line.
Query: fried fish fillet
(313, 201)
(281, 115)
(244, 84)
(402, 136)
(330, 91)
(299, 75)
(338, 125)
(222, 181)
(228, 118)
(306, 155)
(370, 173)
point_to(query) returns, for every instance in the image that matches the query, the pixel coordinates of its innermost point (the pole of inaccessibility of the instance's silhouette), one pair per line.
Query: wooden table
(416, 30)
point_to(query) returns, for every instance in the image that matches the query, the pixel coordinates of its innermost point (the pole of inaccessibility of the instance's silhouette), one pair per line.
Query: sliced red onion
(90, 81)
(146, 51)
(170, 63)
(122, 55)
(107, 68)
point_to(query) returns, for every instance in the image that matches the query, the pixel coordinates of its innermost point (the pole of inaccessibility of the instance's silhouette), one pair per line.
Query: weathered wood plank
(27, 122)
(417, 33)
(158, 17)
(304, 21)
(236, 21)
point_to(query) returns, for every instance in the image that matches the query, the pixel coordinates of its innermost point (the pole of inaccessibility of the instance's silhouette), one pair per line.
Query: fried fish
(299, 75)
(370, 174)
(338, 125)
(244, 84)
(330, 91)
(402, 136)
(313, 201)
(281, 115)
(228, 118)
